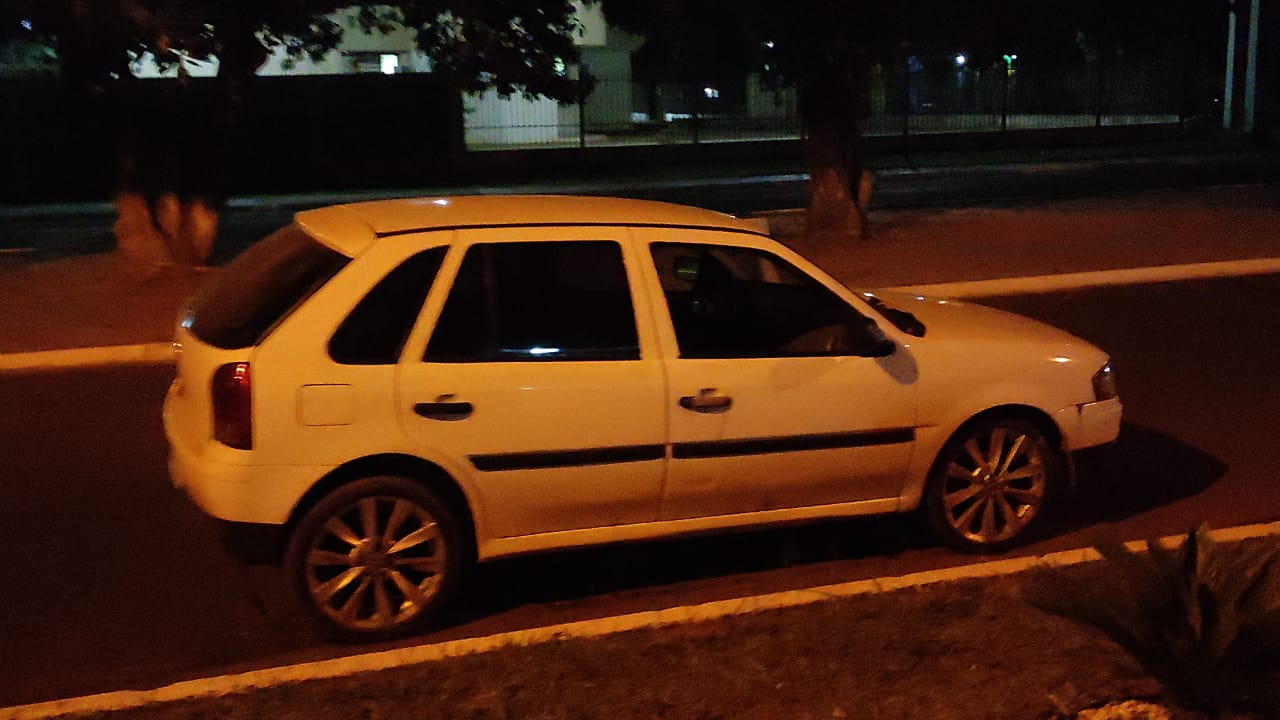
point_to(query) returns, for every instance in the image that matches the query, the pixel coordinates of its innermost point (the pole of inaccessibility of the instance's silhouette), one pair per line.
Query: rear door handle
(444, 410)
(708, 400)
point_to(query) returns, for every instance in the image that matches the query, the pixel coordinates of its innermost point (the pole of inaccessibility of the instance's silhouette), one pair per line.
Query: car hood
(954, 321)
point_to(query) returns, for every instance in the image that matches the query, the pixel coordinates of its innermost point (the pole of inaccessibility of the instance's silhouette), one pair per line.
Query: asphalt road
(113, 580)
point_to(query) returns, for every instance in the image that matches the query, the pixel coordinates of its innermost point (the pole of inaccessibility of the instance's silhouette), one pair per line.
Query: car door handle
(708, 400)
(444, 410)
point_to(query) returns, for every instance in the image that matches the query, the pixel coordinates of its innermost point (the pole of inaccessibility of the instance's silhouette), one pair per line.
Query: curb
(372, 662)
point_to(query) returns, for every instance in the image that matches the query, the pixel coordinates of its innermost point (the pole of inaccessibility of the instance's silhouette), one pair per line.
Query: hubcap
(376, 564)
(994, 486)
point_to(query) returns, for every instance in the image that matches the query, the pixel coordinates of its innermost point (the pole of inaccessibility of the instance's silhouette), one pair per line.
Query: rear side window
(259, 288)
(375, 331)
(544, 301)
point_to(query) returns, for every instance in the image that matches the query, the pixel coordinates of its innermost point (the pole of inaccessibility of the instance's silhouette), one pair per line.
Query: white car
(401, 388)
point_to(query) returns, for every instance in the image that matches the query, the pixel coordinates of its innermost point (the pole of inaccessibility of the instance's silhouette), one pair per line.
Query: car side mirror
(868, 339)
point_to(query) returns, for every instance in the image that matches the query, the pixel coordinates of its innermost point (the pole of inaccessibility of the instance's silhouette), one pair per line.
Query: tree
(824, 47)
(827, 49)
(168, 209)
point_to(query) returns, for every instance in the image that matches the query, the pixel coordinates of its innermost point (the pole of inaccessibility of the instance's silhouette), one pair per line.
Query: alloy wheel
(994, 484)
(376, 564)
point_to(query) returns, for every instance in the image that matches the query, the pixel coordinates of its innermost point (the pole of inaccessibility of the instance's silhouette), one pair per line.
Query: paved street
(121, 583)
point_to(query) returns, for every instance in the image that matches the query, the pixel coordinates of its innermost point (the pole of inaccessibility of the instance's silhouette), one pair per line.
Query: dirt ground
(971, 650)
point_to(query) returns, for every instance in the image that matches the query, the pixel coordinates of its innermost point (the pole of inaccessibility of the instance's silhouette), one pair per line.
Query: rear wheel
(991, 485)
(376, 558)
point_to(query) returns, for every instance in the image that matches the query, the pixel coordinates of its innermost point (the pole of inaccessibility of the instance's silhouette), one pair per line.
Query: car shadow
(1145, 469)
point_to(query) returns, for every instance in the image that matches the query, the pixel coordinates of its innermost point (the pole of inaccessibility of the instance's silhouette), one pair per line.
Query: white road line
(149, 353)
(402, 657)
(155, 353)
(1094, 278)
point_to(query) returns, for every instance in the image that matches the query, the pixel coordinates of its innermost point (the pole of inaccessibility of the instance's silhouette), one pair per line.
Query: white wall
(490, 119)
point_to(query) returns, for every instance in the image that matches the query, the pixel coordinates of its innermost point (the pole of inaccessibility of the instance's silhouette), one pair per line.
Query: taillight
(233, 406)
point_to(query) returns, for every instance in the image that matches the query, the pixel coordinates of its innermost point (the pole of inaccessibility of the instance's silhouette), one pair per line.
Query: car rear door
(537, 378)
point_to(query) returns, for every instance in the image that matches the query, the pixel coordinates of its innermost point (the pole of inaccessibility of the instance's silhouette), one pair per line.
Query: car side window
(375, 331)
(728, 302)
(540, 301)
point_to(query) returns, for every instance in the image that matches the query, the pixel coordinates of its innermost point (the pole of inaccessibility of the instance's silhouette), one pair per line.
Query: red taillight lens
(233, 406)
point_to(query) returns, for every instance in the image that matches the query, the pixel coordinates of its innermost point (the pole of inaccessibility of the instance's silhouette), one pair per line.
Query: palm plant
(1202, 621)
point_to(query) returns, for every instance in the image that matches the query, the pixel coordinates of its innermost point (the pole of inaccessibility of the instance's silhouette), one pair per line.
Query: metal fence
(942, 96)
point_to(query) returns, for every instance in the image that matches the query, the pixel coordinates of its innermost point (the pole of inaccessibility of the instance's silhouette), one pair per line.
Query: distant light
(1062, 360)
(389, 63)
(768, 44)
(710, 92)
(442, 202)
(26, 25)
(539, 350)
(961, 59)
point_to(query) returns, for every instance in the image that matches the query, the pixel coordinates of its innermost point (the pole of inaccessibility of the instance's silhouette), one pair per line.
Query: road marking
(402, 657)
(155, 353)
(1094, 278)
(148, 353)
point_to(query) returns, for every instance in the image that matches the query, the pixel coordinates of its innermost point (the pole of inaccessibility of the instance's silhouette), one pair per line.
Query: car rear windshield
(259, 288)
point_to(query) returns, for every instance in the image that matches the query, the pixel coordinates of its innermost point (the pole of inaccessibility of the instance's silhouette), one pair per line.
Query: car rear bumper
(234, 492)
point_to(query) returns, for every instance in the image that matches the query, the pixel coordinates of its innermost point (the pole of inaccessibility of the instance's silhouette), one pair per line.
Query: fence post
(1102, 89)
(906, 96)
(696, 120)
(582, 113)
(1004, 102)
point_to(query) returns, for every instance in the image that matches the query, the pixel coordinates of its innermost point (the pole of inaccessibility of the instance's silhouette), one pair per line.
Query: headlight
(1104, 384)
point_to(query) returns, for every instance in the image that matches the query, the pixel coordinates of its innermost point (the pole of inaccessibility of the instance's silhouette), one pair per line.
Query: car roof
(352, 227)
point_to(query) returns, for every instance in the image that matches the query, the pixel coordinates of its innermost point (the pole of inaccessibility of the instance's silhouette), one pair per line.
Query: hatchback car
(401, 388)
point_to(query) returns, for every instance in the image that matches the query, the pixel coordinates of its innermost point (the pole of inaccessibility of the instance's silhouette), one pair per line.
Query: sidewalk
(92, 301)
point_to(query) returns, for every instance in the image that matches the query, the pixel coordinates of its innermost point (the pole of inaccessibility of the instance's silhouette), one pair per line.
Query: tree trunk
(154, 235)
(177, 165)
(832, 104)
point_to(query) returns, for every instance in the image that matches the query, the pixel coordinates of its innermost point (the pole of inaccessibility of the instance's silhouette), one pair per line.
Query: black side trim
(568, 458)
(668, 226)
(792, 443)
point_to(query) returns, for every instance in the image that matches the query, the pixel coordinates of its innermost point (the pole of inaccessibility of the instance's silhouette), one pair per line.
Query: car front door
(770, 405)
(533, 379)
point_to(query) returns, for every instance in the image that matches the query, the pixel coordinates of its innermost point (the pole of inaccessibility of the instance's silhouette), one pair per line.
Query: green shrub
(1203, 621)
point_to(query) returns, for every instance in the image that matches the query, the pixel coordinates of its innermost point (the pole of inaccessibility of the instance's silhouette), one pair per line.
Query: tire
(375, 559)
(991, 485)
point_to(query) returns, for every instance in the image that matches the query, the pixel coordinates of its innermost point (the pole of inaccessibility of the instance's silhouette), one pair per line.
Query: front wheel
(991, 484)
(376, 558)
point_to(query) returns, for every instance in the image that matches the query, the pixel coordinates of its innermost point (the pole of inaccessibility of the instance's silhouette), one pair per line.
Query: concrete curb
(403, 657)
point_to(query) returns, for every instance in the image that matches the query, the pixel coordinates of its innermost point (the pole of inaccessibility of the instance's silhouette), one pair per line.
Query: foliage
(175, 165)
(514, 46)
(1202, 621)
